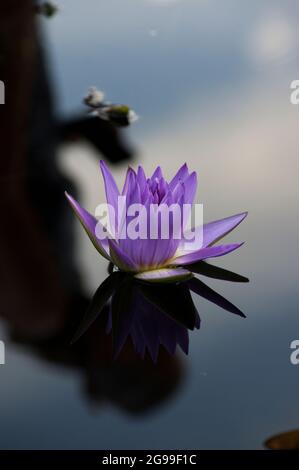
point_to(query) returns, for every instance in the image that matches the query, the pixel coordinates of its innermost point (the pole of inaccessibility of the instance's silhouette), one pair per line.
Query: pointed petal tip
(234, 246)
(111, 188)
(157, 173)
(131, 170)
(104, 168)
(217, 229)
(89, 223)
(72, 201)
(205, 253)
(242, 215)
(238, 218)
(120, 258)
(67, 195)
(192, 179)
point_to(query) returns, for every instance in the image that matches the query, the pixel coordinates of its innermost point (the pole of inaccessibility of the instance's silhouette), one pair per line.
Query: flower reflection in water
(150, 315)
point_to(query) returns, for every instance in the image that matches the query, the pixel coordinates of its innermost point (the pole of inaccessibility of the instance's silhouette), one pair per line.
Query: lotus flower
(155, 260)
(148, 326)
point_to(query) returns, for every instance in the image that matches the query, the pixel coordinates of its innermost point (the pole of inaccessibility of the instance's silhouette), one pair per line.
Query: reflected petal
(173, 300)
(204, 253)
(207, 293)
(215, 272)
(89, 223)
(98, 302)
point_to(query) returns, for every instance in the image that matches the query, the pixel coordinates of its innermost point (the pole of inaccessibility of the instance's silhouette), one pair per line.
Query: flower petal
(214, 231)
(181, 175)
(204, 253)
(111, 188)
(164, 275)
(120, 258)
(128, 180)
(190, 185)
(157, 174)
(141, 178)
(112, 194)
(89, 223)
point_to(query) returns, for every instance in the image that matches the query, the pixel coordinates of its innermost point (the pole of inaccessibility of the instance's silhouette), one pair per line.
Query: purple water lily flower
(157, 259)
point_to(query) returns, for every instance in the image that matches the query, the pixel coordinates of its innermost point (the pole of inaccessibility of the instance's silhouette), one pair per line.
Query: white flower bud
(47, 9)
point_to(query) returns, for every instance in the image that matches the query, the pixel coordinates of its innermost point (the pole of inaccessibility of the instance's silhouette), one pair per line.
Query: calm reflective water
(211, 85)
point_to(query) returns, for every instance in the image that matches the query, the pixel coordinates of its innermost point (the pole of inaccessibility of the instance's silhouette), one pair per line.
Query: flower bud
(120, 115)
